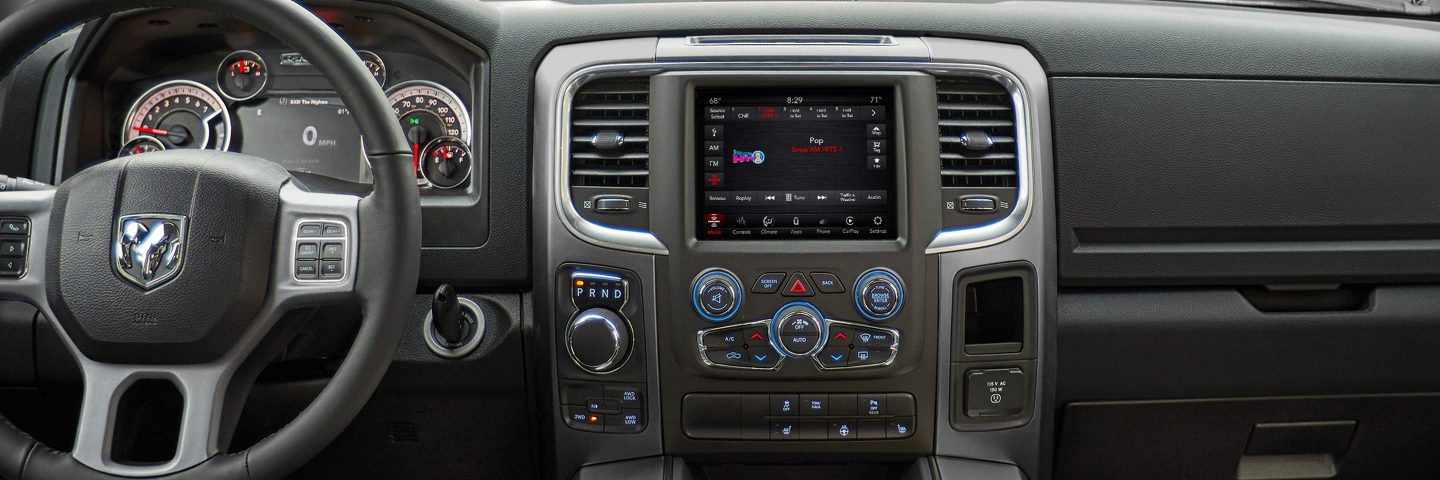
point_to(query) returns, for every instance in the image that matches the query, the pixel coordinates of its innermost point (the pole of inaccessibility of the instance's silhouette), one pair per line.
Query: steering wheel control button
(768, 283)
(879, 295)
(597, 289)
(827, 282)
(716, 294)
(14, 227)
(12, 248)
(332, 230)
(598, 340)
(333, 251)
(307, 250)
(331, 269)
(307, 269)
(994, 392)
(311, 229)
(797, 286)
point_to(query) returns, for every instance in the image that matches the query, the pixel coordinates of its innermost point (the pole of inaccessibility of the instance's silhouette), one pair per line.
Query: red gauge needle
(152, 131)
(415, 152)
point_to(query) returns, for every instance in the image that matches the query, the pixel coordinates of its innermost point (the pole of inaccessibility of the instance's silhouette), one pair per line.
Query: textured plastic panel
(1185, 181)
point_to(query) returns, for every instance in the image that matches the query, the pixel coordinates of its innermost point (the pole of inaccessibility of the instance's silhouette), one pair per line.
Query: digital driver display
(304, 134)
(795, 164)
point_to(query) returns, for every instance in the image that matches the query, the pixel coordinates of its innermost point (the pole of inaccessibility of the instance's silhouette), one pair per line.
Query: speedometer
(180, 114)
(428, 111)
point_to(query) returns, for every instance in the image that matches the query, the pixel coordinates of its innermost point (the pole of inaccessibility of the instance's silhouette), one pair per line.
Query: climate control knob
(717, 295)
(879, 295)
(798, 329)
(598, 340)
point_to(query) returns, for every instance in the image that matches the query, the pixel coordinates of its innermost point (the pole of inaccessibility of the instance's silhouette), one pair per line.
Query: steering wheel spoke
(108, 419)
(316, 249)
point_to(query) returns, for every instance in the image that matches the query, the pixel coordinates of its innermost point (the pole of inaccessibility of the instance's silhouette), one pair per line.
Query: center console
(786, 251)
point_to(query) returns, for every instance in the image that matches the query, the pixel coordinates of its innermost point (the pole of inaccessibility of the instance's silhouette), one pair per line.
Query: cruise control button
(307, 250)
(333, 250)
(307, 268)
(827, 282)
(797, 286)
(331, 268)
(768, 283)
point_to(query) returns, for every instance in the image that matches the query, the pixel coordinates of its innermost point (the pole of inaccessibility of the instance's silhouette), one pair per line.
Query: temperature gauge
(446, 163)
(242, 76)
(139, 145)
(374, 64)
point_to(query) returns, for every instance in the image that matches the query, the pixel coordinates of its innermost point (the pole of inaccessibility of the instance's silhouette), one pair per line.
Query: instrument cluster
(268, 103)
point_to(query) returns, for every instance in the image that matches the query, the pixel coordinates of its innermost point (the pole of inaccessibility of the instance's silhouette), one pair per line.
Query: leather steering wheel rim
(387, 228)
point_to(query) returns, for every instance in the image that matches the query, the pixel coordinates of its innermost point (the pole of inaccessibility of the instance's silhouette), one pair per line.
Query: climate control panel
(799, 329)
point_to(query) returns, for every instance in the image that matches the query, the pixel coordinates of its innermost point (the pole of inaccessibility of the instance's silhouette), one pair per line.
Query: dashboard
(730, 240)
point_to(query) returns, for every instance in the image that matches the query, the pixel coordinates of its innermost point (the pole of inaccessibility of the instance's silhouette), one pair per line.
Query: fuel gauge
(374, 64)
(242, 75)
(446, 162)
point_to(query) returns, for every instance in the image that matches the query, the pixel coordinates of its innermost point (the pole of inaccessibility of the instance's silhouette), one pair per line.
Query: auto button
(799, 328)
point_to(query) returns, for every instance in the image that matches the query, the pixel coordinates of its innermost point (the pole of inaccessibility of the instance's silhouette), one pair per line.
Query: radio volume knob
(716, 294)
(598, 340)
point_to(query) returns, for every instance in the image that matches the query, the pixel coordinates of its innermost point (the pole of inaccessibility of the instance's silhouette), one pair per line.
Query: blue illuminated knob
(716, 294)
(879, 294)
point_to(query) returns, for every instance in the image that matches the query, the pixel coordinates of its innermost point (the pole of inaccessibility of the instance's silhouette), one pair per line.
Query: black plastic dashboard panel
(1252, 182)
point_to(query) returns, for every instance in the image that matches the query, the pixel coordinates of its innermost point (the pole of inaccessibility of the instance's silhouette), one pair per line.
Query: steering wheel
(173, 266)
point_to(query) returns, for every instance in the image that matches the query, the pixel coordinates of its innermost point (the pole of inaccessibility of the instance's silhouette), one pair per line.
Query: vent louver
(610, 134)
(977, 133)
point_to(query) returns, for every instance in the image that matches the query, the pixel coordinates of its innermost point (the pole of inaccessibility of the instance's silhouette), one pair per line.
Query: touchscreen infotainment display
(795, 164)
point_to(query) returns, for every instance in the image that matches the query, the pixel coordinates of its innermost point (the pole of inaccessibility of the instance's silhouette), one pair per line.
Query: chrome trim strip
(700, 343)
(944, 241)
(894, 346)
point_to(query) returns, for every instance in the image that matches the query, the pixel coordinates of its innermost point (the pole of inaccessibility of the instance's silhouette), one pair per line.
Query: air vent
(610, 152)
(978, 164)
(610, 134)
(977, 133)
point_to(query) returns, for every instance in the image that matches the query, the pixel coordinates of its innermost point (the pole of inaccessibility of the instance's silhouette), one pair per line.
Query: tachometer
(180, 114)
(428, 111)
